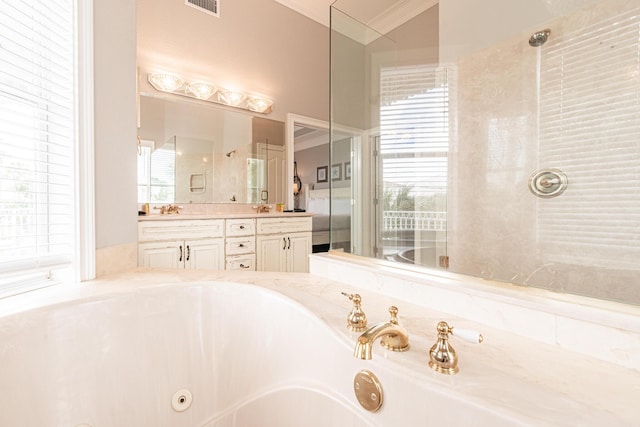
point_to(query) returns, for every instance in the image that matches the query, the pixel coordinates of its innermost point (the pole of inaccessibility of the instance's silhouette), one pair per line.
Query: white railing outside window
(412, 221)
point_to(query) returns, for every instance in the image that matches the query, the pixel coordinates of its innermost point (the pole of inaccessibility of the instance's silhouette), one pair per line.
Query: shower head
(539, 38)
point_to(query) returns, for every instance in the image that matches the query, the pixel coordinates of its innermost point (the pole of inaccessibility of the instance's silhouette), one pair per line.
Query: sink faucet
(392, 337)
(169, 209)
(262, 208)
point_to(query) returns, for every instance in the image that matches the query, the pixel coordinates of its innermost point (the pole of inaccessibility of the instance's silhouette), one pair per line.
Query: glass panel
(498, 145)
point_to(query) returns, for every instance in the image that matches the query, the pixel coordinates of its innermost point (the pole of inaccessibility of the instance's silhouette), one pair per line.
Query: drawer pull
(241, 245)
(244, 266)
(242, 227)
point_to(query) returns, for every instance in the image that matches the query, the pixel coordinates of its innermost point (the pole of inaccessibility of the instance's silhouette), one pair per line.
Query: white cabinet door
(283, 244)
(284, 252)
(161, 254)
(298, 249)
(271, 253)
(205, 254)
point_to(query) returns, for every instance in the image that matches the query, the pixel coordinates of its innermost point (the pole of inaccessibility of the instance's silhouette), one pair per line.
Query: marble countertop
(541, 383)
(221, 215)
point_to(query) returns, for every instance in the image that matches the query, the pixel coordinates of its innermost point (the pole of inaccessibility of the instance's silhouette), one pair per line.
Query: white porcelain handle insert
(468, 335)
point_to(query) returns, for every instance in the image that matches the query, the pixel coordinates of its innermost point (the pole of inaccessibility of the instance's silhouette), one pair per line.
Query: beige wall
(255, 45)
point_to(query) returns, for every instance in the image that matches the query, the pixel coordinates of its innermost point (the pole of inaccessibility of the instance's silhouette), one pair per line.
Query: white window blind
(37, 120)
(590, 129)
(163, 173)
(156, 173)
(414, 128)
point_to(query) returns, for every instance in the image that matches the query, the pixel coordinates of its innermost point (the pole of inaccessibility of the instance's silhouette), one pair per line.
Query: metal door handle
(180, 254)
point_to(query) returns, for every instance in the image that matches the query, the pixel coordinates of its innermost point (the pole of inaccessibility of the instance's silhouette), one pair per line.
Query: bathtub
(214, 353)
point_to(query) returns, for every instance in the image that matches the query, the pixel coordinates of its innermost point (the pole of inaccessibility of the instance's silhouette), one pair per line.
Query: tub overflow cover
(368, 390)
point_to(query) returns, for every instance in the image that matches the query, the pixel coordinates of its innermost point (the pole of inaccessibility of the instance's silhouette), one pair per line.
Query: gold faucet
(262, 208)
(356, 320)
(392, 337)
(442, 357)
(169, 209)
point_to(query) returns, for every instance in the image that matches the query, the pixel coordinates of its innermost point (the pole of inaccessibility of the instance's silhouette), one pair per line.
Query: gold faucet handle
(470, 335)
(442, 357)
(393, 311)
(356, 320)
(473, 336)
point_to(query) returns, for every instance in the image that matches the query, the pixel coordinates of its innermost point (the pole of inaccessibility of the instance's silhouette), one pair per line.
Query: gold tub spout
(392, 337)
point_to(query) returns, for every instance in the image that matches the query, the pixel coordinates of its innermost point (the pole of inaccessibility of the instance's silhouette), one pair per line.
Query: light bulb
(165, 82)
(201, 90)
(231, 98)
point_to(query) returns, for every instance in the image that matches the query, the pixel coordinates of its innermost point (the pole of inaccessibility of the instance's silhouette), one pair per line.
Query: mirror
(193, 153)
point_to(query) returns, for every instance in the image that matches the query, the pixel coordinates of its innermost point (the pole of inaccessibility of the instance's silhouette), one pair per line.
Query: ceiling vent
(212, 7)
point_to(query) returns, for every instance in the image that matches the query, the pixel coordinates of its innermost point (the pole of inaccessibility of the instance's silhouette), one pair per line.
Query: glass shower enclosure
(497, 139)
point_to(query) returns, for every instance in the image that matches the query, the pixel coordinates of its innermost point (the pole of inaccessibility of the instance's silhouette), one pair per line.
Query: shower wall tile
(497, 228)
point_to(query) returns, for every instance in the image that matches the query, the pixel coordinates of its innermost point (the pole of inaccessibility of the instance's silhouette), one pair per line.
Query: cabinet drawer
(240, 245)
(150, 231)
(284, 225)
(240, 227)
(241, 262)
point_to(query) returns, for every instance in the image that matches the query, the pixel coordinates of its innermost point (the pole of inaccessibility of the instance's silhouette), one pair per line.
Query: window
(156, 172)
(412, 162)
(37, 143)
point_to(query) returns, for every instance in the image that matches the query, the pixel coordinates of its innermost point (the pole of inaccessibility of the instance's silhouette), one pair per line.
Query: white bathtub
(249, 356)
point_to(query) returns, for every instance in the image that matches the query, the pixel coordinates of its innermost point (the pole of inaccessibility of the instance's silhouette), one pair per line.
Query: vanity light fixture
(259, 105)
(231, 97)
(166, 82)
(201, 90)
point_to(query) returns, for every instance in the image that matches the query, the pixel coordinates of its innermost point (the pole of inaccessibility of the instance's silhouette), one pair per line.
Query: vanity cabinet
(283, 244)
(189, 244)
(240, 244)
(265, 244)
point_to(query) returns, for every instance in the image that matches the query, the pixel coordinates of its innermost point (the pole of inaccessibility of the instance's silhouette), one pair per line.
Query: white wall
(115, 133)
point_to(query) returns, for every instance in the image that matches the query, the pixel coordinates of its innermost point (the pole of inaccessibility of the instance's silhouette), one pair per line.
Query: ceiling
(381, 15)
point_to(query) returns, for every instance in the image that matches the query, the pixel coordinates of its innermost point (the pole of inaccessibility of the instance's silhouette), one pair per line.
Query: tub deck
(300, 367)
